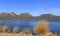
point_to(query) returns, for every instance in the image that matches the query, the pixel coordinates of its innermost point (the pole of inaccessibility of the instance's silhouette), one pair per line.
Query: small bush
(42, 27)
(0, 29)
(5, 29)
(15, 30)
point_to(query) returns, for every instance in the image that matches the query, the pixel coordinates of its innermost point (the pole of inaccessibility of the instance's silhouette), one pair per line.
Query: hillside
(27, 16)
(49, 17)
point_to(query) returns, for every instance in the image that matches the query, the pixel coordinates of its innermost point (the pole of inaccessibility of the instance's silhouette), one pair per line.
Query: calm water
(54, 25)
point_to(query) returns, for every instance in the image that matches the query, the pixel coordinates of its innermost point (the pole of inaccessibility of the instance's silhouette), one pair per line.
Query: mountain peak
(24, 14)
(12, 14)
(47, 15)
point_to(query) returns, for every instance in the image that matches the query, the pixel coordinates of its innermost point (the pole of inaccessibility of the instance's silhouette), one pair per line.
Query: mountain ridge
(27, 16)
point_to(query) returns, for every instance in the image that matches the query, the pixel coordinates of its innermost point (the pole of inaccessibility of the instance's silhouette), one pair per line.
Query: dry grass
(0, 29)
(26, 32)
(15, 30)
(41, 28)
(5, 32)
(5, 29)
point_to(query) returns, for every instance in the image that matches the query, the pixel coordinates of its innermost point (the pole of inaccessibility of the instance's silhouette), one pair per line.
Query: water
(54, 25)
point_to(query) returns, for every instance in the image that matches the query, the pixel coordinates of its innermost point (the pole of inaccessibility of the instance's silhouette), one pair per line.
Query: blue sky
(34, 7)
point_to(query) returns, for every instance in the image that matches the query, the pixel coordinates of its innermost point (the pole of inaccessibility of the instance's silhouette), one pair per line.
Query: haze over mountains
(27, 16)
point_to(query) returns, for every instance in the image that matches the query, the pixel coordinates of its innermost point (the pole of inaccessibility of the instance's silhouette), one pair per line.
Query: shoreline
(23, 34)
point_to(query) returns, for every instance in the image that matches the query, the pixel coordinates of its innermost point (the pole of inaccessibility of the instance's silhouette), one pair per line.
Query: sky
(34, 7)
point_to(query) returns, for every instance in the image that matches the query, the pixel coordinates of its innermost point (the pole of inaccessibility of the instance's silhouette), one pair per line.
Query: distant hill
(27, 16)
(48, 17)
(12, 14)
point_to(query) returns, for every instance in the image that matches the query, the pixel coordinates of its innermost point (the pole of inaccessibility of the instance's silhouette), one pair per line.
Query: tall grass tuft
(5, 29)
(41, 28)
(0, 29)
(15, 30)
(27, 31)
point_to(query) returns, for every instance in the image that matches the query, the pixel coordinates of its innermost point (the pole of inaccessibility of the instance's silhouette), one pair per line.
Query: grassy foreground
(41, 29)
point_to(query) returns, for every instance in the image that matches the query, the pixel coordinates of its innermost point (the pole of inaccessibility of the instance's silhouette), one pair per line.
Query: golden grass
(27, 31)
(5, 29)
(15, 30)
(41, 28)
(0, 29)
(23, 34)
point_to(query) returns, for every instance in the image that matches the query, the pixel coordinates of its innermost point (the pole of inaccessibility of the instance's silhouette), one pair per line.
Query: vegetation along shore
(41, 29)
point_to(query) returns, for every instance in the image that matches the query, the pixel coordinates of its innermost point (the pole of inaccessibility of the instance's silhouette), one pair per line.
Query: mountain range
(27, 16)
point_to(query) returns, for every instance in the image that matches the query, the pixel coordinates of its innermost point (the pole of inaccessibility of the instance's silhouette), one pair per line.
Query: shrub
(42, 28)
(15, 30)
(5, 29)
(0, 28)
